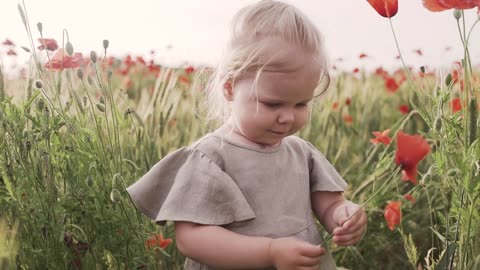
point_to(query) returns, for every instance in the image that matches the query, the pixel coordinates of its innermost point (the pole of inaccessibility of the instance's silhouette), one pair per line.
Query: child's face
(280, 104)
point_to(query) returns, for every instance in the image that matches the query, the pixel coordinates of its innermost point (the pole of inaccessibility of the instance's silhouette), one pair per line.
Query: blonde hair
(246, 49)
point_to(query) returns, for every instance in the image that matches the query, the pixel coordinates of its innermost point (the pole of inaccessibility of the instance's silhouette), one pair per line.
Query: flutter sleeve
(323, 176)
(188, 186)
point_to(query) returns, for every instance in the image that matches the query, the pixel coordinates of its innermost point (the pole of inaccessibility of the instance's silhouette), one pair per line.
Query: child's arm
(224, 249)
(335, 214)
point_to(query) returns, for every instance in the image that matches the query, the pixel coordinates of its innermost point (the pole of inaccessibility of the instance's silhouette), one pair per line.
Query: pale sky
(196, 30)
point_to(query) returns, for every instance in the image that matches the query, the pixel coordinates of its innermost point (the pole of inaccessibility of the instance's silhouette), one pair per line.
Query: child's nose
(286, 116)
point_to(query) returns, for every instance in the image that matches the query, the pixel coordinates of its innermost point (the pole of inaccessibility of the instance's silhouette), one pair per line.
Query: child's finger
(355, 227)
(312, 250)
(352, 225)
(309, 261)
(345, 240)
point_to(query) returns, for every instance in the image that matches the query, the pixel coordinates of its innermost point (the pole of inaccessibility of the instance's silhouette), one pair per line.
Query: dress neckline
(256, 148)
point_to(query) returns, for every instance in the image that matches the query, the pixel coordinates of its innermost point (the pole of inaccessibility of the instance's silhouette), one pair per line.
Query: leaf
(9, 186)
(446, 257)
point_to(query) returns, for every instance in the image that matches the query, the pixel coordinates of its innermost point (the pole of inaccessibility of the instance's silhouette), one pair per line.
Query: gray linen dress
(247, 190)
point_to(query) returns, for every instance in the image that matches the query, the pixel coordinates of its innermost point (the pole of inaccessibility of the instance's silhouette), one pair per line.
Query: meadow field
(77, 129)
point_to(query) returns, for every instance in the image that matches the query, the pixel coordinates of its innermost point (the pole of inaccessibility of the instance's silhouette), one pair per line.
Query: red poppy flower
(404, 109)
(11, 52)
(355, 70)
(381, 137)
(348, 101)
(441, 5)
(386, 8)
(381, 72)
(362, 55)
(157, 240)
(8, 42)
(49, 43)
(335, 105)
(456, 105)
(189, 69)
(418, 51)
(411, 149)
(393, 214)
(184, 79)
(141, 60)
(454, 76)
(410, 198)
(347, 118)
(61, 60)
(391, 84)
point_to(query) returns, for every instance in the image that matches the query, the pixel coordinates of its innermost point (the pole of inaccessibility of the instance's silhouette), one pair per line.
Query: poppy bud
(39, 27)
(39, 84)
(89, 181)
(105, 44)
(25, 49)
(93, 56)
(47, 112)
(453, 172)
(115, 195)
(84, 101)
(457, 14)
(127, 112)
(40, 104)
(69, 48)
(80, 73)
(448, 80)
(101, 107)
(422, 69)
(109, 74)
(28, 145)
(102, 99)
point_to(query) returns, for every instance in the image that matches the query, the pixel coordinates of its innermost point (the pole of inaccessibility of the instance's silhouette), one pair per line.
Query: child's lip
(279, 132)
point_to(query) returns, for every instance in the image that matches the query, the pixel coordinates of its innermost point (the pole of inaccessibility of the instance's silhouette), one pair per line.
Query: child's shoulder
(297, 142)
(208, 146)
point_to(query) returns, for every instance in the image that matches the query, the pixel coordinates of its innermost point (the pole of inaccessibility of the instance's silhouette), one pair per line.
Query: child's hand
(352, 222)
(289, 253)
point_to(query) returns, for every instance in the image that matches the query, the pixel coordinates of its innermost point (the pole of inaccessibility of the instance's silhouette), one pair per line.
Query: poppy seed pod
(93, 56)
(105, 44)
(39, 84)
(457, 14)
(39, 27)
(69, 48)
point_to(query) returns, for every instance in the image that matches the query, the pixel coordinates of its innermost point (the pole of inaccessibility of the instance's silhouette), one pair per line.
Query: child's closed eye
(272, 105)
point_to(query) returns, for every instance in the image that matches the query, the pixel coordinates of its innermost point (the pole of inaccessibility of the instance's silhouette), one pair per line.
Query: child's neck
(229, 132)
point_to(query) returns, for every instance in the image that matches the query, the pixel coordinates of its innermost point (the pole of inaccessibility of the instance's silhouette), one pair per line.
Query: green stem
(395, 172)
(405, 68)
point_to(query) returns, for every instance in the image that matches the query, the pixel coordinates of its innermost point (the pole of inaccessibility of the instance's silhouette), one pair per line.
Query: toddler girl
(246, 195)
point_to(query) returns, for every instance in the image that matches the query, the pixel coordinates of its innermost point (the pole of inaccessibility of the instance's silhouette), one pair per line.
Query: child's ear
(228, 90)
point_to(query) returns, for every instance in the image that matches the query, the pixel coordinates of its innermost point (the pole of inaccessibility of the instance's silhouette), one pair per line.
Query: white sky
(196, 29)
